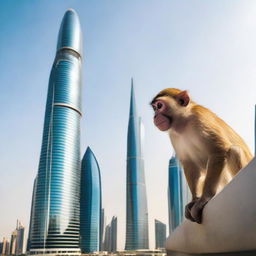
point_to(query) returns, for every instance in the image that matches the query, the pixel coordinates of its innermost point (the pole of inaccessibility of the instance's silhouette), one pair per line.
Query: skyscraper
(20, 238)
(55, 217)
(160, 234)
(136, 198)
(178, 194)
(5, 248)
(17, 240)
(13, 243)
(174, 194)
(90, 204)
(114, 234)
(110, 241)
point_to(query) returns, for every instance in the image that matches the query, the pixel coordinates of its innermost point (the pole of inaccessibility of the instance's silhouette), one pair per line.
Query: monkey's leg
(215, 166)
(195, 183)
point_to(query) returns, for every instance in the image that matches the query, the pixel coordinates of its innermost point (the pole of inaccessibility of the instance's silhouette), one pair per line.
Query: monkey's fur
(209, 150)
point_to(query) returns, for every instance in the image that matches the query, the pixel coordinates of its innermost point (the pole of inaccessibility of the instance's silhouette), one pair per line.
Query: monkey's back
(221, 134)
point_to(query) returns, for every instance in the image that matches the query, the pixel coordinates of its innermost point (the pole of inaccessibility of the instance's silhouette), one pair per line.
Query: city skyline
(207, 48)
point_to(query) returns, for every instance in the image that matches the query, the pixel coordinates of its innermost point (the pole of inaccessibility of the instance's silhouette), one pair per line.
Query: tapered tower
(90, 204)
(136, 199)
(55, 213)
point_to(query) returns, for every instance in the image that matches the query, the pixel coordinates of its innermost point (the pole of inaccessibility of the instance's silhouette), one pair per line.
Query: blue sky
(207, 47)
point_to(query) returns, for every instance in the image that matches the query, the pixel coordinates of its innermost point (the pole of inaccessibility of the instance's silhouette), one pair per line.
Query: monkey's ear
(183, 98)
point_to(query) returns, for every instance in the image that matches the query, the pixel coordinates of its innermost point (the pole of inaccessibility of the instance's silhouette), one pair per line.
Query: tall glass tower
(55, 217)
(178, 194)
(136, 198)
(90, 204)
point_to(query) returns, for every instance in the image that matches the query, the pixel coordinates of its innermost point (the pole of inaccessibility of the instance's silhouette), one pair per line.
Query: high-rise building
(110, 241)
(5, 247)
(20, 238)
(13, 244)
(17, 240)
(178, 194)
(114, 234)
(174, 195)
(160, 234)
(90, 204)
(136, 198)
(55, 217)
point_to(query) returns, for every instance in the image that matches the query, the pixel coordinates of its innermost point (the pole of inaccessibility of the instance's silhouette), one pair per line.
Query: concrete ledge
(229, 221)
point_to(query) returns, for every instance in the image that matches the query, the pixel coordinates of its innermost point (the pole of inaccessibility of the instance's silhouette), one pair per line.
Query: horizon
(207, 48)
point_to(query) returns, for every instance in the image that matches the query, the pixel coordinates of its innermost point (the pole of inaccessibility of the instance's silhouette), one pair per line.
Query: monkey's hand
(197, 209)
(188, 209)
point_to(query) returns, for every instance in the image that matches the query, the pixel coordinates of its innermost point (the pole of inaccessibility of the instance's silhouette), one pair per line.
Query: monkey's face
(168, 108)
(163, 113)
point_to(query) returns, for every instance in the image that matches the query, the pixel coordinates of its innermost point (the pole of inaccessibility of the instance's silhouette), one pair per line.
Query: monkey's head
(168, 105)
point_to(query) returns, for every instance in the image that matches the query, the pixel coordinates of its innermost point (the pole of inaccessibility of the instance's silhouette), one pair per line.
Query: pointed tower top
(89, 154)
(132, 100)
(70, 35)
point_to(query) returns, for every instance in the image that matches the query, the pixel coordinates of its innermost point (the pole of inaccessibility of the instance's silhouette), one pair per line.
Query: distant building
(13, 243)
(90, 204)
(17, 240)
(136, 197)
(113, 234)
(160, 234)
(20, 239)
(110, 241)
(5, 247)
(107, 238)
(178, 194)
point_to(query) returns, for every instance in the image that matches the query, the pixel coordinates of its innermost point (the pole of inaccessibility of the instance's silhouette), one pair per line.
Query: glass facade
(90, 204)
(160, 234)
(136, 199)
(178, 194)
(55, 216)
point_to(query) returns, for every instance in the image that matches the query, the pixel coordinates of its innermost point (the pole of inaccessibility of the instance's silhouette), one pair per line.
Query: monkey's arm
(215, 166)
(194, 178)
(195, 183)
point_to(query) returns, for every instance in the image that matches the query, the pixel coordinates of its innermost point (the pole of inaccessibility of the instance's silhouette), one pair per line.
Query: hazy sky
(207, 47)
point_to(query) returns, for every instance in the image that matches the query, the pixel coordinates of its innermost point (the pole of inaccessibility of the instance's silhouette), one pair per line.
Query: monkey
(209, 150)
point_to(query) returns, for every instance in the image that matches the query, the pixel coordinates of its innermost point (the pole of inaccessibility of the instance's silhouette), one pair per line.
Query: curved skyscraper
(136, 198)
(90, 204)
(55, 217)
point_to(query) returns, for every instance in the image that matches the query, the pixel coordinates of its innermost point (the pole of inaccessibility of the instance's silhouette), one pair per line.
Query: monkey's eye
(154, 107)
(159, 105)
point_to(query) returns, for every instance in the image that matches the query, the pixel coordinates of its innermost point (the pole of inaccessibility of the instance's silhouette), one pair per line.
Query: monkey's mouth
(163, 122)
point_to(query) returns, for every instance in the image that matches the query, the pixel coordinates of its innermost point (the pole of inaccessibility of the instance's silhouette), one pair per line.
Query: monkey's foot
(197, 210)
(188, 209)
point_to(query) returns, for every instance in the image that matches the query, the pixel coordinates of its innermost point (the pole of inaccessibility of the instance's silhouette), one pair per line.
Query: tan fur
(210, 151)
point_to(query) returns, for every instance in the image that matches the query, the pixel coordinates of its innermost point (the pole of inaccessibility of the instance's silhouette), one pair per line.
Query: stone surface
(229, 220)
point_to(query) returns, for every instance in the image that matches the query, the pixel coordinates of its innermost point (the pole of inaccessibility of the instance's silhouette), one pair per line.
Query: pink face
(161, 120)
